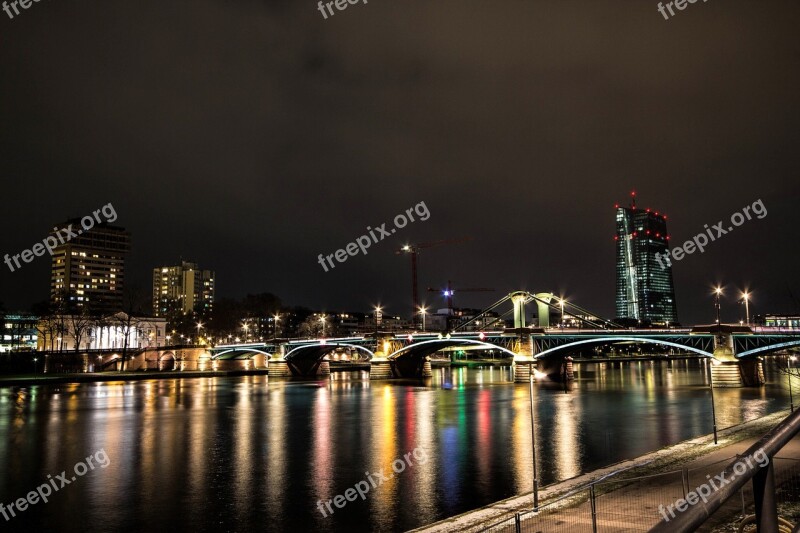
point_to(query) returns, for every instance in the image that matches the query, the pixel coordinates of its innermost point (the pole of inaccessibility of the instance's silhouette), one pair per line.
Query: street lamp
(277, 317)
(245, 327)
(789, 376)
(746, 298)
(713, 408)
(322, 319)
(423, 311)
(378, 316)
(34, 364)
(561, 301)
(717, 294)
(533, 442)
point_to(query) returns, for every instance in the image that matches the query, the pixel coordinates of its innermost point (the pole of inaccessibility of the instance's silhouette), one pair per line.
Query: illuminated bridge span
(735, 350)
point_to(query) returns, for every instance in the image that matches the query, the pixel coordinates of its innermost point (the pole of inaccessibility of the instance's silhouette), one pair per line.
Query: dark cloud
(252, 136)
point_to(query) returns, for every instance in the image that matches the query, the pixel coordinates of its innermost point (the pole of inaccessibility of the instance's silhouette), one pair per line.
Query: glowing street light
(277, 317)
(378, 316)
(322, 319)
(746, 299)
(717, 294)
(562, 302)
(423, 311)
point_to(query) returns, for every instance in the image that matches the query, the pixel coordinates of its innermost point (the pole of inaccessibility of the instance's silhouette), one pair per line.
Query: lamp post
(423, 311)
(533, 443)
(34, 364)
(713, 408)
(717, 294)
(746, 298)
(789, 377)
(277, 317)
(561, 301)
(378, 316)
(322, 319)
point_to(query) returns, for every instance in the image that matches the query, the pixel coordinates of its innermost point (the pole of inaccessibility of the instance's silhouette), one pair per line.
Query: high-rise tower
(645, 291)
(183, 288)
(88, 270)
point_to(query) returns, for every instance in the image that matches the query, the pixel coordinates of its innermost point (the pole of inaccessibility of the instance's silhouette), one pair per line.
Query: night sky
(251, 136)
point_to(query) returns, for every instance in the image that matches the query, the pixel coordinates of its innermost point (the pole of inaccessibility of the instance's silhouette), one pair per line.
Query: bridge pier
(380, 369)
(278, 368)
(728, 371)
(308, 368)
(522, 370)
(411, 368)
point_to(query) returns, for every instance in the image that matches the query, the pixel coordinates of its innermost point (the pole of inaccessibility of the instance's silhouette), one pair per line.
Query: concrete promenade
(631, 508)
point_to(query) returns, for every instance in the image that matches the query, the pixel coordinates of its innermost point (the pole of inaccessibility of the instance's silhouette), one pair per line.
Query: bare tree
(134, 306)
(81, 324)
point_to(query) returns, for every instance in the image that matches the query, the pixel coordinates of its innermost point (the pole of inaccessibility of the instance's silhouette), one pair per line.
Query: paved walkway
(632, 507)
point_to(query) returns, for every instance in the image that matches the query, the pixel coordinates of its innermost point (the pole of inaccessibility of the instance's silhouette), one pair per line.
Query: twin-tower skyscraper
(645, 293)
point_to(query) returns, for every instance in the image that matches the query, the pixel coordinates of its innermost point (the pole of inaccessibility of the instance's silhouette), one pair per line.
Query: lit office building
(645, 291)
(183, 288)
(88, 270)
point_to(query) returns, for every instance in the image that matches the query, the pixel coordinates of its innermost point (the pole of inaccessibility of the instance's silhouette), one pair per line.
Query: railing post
(685, 480)
(517, 524)
(593, 500)
(764, 496)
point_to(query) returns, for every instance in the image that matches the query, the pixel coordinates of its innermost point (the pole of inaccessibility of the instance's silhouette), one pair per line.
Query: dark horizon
(251, 137)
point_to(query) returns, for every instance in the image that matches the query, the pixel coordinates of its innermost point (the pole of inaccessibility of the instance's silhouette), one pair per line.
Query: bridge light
(482, 335)
(410, 337)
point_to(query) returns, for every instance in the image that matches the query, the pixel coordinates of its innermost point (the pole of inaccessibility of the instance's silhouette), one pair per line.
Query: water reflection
(252, 453)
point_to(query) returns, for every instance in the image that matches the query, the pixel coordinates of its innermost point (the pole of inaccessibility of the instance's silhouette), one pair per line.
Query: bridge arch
(167, 361)
(305, 360)
(425, 348)
(615, 339)
(409, 360)
(218, 355)
(770, 348)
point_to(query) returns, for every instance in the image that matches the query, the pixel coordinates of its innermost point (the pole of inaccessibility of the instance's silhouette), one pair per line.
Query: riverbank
(25, 380)
(698, 454)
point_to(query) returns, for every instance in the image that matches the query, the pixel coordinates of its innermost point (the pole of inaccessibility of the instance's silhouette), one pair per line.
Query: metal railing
(764, 495)
(621, 502)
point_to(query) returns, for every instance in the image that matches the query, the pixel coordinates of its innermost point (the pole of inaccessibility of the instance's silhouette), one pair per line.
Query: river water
(257, 454)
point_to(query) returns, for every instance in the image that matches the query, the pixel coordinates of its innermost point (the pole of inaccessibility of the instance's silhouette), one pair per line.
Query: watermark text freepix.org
(700, 240)
(24, 4)
(363, 242)
(375, 480)
(61, 236)
(341, 5)
(60, 481)
(704, 491)
(679, 4)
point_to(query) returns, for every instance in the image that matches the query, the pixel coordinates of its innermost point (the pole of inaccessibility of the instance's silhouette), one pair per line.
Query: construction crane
(413, 250)
(448, 293)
